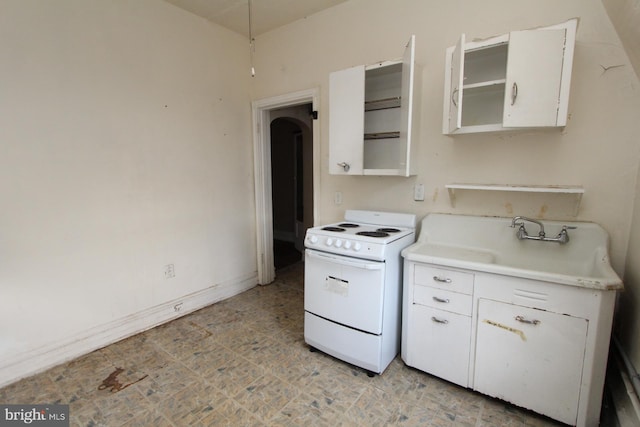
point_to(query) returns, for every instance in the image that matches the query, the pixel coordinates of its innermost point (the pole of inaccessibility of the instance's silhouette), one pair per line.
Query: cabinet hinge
(314, 115)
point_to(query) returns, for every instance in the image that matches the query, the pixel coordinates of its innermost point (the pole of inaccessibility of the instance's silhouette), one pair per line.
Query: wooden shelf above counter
(575, 191)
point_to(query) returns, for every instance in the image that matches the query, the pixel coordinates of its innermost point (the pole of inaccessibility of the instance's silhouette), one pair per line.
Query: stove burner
(348, 225)
(388, 230)
(372, 233)
(333, 229)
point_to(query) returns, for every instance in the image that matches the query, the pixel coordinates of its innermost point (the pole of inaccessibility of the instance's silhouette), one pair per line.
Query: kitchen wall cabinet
(371, 118)
(519, 80)
(540, 345)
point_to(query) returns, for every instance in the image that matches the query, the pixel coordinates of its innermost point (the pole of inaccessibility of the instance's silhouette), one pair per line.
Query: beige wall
(598, 149)
(625, 15)
(125, 146)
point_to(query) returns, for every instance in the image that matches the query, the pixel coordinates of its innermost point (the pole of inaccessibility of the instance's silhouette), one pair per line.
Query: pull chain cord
(252, 45)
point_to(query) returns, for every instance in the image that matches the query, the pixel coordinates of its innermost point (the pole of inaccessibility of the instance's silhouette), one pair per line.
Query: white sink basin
(490, 244)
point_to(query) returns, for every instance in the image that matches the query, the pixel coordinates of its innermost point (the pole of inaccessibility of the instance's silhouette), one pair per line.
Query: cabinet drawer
(439, 342)
(441, 278)
(442, 299)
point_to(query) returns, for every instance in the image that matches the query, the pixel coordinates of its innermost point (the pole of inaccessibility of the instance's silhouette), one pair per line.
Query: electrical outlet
(338, 198)
(418, 192)
(169, 271)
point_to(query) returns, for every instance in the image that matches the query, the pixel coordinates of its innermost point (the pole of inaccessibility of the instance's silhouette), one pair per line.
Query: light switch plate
(418, 192)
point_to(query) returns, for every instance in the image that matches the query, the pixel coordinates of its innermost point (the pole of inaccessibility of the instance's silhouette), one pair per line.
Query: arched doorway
(291, 181)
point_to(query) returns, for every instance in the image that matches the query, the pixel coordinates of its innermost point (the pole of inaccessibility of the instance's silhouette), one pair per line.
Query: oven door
(345, 290)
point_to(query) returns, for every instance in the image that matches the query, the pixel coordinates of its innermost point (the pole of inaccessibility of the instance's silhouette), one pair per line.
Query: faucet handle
(517, 221)
(569, 227)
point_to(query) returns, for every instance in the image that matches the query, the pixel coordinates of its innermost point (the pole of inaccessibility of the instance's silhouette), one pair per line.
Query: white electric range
(353, 286)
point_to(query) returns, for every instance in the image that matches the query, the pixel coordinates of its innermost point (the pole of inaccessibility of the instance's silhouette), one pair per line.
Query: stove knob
(347, 245)
(313, 240)
(338, 243)
(329, 241)
(357, 246)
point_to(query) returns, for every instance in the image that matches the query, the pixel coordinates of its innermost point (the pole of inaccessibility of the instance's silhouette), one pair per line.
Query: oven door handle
(364, 265)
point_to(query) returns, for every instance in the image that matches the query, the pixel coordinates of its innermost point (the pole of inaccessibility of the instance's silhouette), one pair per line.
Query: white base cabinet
(439, 323)
(442, 345)
(530, 357)
(539, 345)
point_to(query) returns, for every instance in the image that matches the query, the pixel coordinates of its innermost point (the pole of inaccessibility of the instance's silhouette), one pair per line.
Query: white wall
(125, 146)
(625, 15)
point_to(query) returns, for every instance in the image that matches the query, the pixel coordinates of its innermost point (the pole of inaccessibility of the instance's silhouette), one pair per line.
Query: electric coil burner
(353, 287)
(337, 229)
(372, 233)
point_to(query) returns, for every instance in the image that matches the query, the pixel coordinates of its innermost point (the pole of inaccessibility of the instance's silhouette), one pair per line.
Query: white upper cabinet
(371, 118)
(515, 81)
(346, 120)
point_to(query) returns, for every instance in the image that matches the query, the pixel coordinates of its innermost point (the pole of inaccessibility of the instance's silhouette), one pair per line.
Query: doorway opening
(291, 182)
(286, 176)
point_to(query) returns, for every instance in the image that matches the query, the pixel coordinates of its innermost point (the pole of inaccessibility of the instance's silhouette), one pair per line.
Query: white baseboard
(47, 356)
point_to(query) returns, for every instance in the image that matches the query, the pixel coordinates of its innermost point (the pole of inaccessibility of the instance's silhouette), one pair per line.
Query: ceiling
(266, 15)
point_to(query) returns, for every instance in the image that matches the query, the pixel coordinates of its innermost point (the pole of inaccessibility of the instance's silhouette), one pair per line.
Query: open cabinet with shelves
(514, 81)
(370, 118)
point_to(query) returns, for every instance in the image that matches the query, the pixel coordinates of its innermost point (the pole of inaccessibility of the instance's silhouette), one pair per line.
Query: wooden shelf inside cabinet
(575, 191)
(484, 84)
(382, 104)
(381, 135)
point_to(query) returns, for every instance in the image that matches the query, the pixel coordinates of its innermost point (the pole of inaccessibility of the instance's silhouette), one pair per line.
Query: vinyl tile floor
(243, 362)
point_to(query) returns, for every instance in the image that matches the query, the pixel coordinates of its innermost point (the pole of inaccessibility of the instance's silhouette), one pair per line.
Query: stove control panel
(345, 246)
(338, 243)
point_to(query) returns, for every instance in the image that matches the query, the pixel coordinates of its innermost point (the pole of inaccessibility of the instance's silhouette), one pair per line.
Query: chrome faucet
(521, 234)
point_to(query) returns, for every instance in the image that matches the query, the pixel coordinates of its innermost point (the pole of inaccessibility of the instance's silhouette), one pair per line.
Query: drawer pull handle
(441, 280)
(443, 321)
(521, 319)
(444, 300)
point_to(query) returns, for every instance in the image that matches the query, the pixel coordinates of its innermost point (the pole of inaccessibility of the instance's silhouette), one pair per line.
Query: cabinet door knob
(443, 321)
(521, 319)
(345, 166)
(441, 279)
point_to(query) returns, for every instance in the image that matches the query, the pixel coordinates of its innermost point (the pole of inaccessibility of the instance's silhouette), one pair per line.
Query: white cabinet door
(530, 357)
(346, 121)
(439, 343)
(406, 106)
(454, 103)
(534, 73)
